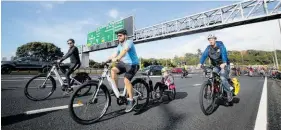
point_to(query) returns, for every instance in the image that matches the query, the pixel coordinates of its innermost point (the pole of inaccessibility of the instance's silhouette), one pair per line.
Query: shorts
(129, 70)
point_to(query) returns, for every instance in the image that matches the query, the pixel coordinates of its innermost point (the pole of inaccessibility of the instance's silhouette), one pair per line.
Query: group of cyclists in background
(255, 71)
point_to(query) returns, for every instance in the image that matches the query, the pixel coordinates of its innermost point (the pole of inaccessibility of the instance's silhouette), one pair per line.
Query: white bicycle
(34, 86)
(101, 98)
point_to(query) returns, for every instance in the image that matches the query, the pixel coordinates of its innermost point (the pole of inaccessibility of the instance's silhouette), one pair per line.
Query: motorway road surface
(183, 113)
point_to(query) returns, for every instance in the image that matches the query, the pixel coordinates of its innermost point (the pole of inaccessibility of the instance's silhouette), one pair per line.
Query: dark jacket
(218, 55)
(73, 53)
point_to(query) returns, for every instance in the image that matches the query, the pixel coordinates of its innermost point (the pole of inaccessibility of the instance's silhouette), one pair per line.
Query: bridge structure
(241, 13)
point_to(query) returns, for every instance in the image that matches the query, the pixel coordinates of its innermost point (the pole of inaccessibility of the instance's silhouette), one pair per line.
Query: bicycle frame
(57, 75)
(105, 75)
(211, 78)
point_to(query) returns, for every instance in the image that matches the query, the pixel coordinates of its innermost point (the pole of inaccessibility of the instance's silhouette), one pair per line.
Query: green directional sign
(105, 34)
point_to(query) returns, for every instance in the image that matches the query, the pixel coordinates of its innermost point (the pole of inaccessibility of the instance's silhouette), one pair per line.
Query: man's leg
(114, 76)
(131, 71)
(224, 77)
(115, 71)
(69, 72)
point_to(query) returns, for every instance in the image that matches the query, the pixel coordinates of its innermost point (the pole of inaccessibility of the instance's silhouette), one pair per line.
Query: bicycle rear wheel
(86, 89)
(79, 104)
(171, 94)
(37, 84)
(141, 92)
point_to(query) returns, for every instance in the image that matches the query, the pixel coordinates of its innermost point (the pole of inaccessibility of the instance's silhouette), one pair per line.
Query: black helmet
(122, 31)
(72, 40)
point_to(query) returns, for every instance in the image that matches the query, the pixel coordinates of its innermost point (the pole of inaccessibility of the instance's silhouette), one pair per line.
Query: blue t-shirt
(131, 56)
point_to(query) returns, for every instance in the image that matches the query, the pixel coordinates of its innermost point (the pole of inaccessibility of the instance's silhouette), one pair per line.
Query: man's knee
(114, 70)
(223, 78)
(126, 80)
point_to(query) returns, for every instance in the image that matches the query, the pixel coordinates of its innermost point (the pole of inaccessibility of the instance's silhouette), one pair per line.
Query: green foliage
(94, 64)
(43, 50)
(250, 57)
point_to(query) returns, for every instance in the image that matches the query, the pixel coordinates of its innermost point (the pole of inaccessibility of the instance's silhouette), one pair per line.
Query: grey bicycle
(36, 90)
(101, 98)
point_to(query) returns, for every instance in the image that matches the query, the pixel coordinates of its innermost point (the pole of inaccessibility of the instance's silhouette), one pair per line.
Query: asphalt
(180, 114)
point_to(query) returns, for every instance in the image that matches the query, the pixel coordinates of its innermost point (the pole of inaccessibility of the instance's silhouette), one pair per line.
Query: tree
(43, 50)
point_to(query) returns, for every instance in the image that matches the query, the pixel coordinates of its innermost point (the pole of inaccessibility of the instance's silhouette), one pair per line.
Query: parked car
(153, 70)
(177, 70)
(24, 63)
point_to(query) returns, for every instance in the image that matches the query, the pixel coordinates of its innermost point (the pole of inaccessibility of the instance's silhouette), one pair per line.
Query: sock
(129, 99)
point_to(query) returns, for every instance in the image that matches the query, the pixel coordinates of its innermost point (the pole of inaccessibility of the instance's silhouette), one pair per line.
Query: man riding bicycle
(217, 53)
(128, 63)
(74, 64)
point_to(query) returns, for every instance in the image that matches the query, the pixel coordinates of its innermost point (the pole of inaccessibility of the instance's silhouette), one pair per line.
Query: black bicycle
(213, 91)
(184, 74)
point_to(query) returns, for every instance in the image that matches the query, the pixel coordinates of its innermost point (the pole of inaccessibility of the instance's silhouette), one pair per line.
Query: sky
(55, 22)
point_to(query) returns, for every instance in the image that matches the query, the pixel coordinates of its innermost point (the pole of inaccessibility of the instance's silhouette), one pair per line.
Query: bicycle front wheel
(206, 93)
(85, 109)
(40, 87)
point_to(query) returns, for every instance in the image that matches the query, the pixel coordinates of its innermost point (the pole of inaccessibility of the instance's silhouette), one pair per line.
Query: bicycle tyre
(201, 97)
(158, 89)
(89, 88)
(172, 94)
(138, 107)
(91, 121)
(40, 99)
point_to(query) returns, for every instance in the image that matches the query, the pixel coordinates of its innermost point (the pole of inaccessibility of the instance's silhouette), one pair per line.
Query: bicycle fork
(94, 96)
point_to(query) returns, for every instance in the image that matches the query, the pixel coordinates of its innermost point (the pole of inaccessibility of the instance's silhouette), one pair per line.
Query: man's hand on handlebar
(114, 60)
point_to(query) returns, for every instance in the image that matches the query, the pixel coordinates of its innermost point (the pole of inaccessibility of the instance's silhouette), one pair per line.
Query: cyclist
(74, 64)
(128, 63)
(185, 67)
(217, 53)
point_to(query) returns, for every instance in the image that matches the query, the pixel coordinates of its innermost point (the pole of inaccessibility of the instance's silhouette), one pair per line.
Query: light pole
(276, 59)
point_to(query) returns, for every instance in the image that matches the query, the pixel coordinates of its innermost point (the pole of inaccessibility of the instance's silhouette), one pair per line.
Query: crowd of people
(261, 70)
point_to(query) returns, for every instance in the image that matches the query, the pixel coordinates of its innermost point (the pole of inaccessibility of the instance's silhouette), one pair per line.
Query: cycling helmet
(212, 36)
(122, 31)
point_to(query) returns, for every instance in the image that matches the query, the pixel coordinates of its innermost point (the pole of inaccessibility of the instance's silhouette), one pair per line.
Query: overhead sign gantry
(241, 13)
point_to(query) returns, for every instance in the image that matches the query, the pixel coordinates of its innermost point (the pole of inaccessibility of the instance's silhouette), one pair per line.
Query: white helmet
(212, 36)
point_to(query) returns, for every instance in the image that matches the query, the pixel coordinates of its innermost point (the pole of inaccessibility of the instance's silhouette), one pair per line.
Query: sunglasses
(69, 43)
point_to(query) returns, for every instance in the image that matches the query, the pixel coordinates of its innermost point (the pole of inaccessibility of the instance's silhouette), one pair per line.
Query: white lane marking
(261, 120)
(50, 109)
(7, 80)
(17, 78)
(196, 84)
(10, 80)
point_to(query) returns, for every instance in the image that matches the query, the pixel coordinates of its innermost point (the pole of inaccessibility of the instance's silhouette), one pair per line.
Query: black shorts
(129, 70)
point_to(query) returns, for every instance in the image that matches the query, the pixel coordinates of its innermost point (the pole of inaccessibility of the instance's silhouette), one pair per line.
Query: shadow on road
(235, 100)
(113, 114)
(10, 88)
(8, 120)
(66, 96)
(5, 89)
(152, 104)
(171, 119)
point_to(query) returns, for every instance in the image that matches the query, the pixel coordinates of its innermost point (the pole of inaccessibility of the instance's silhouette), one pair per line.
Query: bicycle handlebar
(106, 64)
